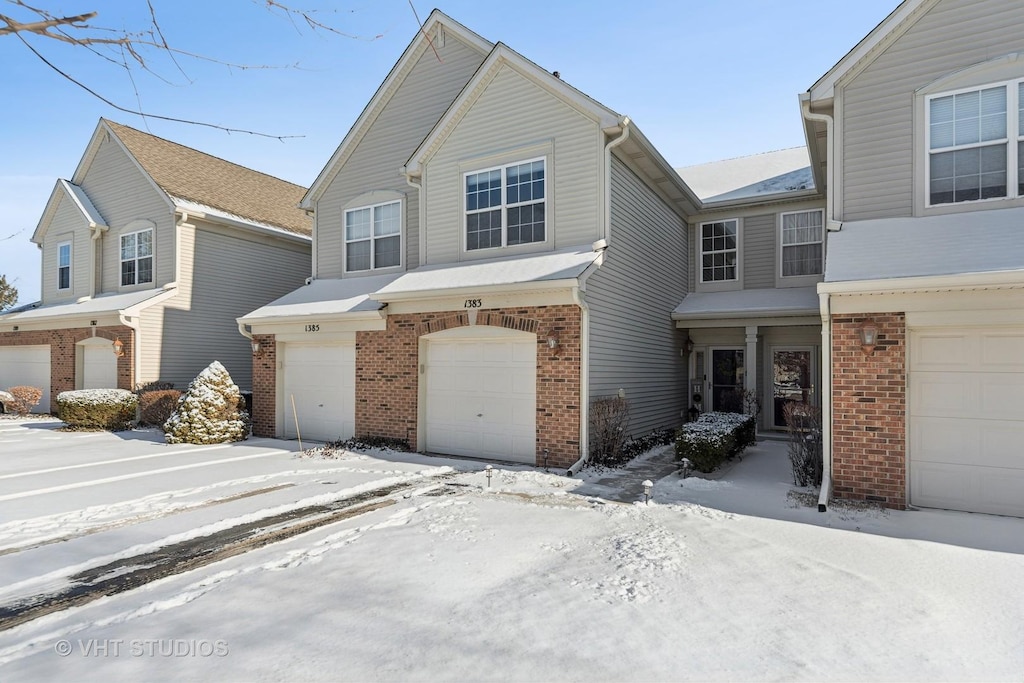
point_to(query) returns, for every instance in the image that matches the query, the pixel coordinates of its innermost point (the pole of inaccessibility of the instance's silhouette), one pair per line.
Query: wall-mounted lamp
(688, 345)
(868, 337)
(118, 347)
(255, 348)
(553, 342)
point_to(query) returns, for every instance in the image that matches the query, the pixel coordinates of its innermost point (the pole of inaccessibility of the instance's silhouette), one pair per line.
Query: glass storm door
(727, 380)
(792, 380)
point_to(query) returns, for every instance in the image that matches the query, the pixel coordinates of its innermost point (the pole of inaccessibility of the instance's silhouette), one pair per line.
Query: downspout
(95, 251)
(577, 298)
(825, 309)
(133, 324)
(623, 136)
(420, 211)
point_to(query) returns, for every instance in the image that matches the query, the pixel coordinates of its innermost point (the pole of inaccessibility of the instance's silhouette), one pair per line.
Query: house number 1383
(473, 303)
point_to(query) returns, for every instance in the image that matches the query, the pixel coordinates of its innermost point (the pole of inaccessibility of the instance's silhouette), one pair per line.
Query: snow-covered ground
(534, 577)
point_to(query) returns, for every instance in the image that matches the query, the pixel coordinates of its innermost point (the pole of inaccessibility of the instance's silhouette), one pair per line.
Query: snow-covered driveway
(526, 580)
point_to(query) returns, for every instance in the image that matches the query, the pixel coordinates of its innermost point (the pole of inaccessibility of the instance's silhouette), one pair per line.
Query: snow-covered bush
(24, 399)
(209, 411)
(156, 406)
(714, 438)
(112, 409)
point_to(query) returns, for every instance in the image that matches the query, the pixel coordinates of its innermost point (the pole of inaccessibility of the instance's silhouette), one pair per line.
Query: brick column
(264, 387)
(869, 411)
(387, 378)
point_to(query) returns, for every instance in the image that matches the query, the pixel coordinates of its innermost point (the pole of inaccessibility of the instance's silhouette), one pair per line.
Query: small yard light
(685, 465)
(868, 337)
(648, 485)
(118, 347)
(489, 470)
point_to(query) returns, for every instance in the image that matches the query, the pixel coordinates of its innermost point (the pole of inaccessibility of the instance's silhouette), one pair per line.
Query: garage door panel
(321, 378)
(27, 366)
(966, 419)
(480, 401)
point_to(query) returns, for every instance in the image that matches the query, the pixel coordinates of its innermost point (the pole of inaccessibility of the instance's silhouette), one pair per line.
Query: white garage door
(27, 366)
(966, 406)
(481, 394)
(99, 365)
(322, 379)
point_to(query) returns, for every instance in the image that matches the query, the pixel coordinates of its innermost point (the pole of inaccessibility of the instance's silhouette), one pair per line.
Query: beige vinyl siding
(67, 225)
(634, 345)
(511, 113)
(877, 105)
(122, 194)
(231, 277)
(759, 238)
(375, 164)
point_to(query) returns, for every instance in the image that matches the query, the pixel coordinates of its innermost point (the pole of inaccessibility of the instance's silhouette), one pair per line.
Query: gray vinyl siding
(634, 344)
(759, 251)
(877, 105)
(230, 278)
(510, 121)
(67, 225)
(122, 194)
(375, 164)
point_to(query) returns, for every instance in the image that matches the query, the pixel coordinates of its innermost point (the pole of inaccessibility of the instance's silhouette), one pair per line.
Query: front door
(792, 380)
(727, 380)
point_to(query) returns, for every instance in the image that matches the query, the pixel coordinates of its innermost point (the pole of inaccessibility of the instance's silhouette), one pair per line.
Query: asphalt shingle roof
(188, 174)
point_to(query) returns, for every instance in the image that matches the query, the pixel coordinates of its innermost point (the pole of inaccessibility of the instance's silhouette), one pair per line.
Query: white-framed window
(802, 243)
(137, 258)
(719, 251)
(975, 143)
(64, 265)
(373, 237)
(505, 206)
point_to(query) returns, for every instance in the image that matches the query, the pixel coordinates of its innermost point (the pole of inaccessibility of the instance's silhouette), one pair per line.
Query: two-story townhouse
(757, 251)
(148, 253)
(920, 132)
(493, 250)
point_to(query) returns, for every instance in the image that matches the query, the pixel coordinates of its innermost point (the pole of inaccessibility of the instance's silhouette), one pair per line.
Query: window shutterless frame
(805, 230)
(505, 205)
(373, 236)
(136, 258)
(718, 246)
(64, 266)
(973, 144)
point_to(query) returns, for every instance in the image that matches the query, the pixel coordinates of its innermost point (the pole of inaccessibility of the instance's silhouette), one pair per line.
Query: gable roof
(384, 93)
(193, 178)
(759, 176)
(864, 52)
(78, 199)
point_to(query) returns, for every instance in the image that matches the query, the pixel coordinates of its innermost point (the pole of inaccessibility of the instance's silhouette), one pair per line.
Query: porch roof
(748, 303)
(325, 297)
(98, 305)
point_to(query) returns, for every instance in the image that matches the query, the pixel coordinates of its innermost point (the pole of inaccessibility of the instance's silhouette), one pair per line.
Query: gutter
(995, 279)
(577, 297)
(830, 171)
(509, 288)
(612, 144)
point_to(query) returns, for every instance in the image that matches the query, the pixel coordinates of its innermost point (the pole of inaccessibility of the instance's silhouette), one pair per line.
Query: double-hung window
(975, 144)
(505, 206)
(719, 251)
(373, 237)
(64, 265)
(802, 233)
(137, 258)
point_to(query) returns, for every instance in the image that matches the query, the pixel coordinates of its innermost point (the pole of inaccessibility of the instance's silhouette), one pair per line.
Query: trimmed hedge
(714, 438)
(158, 405)
(111, 409)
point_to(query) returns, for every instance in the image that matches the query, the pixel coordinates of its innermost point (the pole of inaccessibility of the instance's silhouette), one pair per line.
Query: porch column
(750, 361)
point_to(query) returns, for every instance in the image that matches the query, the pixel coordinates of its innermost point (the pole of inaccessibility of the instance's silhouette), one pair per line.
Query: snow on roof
(325, 297)
(83, 202)
(755, 303)
(950, 244)
(104, 303)
(785, 170)
(510, 270)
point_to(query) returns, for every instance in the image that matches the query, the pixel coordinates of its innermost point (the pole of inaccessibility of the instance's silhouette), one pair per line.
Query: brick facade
(264, 386)
(869, 411)
(62, 353)
(387, 375)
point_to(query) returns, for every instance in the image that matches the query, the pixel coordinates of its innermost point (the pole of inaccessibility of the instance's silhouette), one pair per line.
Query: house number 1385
(312, 328)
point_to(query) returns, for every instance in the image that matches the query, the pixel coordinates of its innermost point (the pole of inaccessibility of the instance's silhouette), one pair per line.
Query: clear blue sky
(704, 79)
